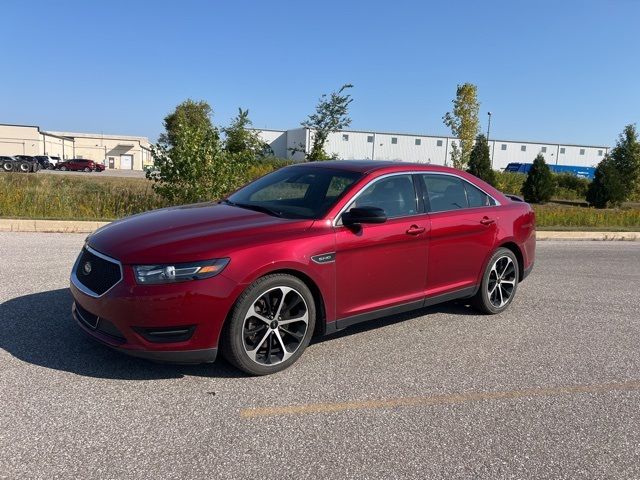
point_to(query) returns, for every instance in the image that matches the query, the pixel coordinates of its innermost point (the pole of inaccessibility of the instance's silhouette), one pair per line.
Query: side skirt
(398, 309)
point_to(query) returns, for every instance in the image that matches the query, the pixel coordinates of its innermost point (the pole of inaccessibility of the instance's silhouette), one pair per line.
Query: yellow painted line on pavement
(447, 399)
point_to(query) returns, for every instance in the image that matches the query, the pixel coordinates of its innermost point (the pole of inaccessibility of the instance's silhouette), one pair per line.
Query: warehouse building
(114, 151)
(356, 144)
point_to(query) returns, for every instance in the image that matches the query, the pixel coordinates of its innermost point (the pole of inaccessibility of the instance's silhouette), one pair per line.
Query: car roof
(368, 166)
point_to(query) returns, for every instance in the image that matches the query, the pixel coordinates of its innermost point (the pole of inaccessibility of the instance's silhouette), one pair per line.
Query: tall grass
(73, 197)
(550, 216)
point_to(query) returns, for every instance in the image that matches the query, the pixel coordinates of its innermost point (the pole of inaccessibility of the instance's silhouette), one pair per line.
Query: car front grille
(97, 273)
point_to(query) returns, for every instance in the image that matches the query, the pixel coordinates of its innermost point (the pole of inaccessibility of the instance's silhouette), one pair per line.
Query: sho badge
(324, 257)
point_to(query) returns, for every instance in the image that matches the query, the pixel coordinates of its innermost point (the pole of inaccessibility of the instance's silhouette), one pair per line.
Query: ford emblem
(86, 268)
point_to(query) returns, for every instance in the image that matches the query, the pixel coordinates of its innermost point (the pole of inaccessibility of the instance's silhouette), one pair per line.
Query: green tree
(463, 122)
(241, 140)
(480, 161)
(608, 188)
(189, 115)
(625, 157)
(539, 185)
(190, 164)
(331, 115)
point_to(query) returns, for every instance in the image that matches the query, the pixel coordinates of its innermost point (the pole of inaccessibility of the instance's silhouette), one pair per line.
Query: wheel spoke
(501, 298)
(253, 353)
(285, 353)
(304, 318)
(297, 336)
(509, 263)
(285, 291)
(253, 313)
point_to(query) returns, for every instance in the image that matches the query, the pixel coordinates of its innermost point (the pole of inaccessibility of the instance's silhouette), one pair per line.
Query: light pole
(488, 126)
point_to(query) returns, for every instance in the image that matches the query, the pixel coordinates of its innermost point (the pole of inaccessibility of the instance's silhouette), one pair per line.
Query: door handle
(415, 230)
(487, 221)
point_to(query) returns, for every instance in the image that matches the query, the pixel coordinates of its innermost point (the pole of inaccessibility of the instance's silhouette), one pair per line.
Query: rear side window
(476, 197)
(446, 192)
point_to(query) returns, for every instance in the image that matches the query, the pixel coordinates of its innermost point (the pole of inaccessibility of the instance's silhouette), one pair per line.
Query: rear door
(463, 231)
(384, 265)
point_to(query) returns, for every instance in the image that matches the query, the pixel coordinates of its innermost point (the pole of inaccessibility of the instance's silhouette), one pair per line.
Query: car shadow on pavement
(40, 330)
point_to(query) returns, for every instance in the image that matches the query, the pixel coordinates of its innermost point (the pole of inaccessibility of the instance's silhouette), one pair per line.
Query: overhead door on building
(126, 162)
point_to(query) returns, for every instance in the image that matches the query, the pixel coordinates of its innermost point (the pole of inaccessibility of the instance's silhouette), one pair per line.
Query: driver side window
(395, 195)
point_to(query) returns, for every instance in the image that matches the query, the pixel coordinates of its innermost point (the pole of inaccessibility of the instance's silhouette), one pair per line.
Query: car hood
(188, 233)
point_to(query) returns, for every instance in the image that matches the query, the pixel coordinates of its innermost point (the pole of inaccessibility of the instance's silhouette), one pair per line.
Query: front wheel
(63, 168)
(270, 326)
(499, 283)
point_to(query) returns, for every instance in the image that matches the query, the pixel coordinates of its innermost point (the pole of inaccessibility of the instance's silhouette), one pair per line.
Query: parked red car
(308, 249)
(82, 164)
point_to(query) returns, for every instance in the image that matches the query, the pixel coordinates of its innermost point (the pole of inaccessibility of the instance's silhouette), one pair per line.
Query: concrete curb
(595, 236)
(50, 226)
(73, 226)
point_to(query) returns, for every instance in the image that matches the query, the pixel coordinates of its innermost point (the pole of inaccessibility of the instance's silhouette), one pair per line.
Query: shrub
(570, 187)
(539, 185)
(509, 182)
(480, 161)
(608, 188)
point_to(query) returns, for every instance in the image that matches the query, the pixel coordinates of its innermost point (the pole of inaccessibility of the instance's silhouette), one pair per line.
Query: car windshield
(295, 192)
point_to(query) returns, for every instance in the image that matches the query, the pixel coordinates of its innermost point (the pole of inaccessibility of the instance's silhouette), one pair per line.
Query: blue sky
(565, 71)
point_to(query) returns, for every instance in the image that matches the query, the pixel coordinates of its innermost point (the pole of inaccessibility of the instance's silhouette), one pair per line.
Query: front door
(380, 266)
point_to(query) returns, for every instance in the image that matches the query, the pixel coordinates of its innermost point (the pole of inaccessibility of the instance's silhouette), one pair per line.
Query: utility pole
(488, 126)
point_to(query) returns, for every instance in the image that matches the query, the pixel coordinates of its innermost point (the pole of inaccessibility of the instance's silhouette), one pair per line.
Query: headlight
(179, 272)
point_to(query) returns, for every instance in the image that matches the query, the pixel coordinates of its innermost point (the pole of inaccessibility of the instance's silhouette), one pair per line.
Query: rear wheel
(7, 166)
(24, 167)
(499, 283)
(87, 169)
(270, 326)
(63, 168)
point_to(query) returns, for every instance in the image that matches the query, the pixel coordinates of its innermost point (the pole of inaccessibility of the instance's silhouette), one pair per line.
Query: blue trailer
(582, 172)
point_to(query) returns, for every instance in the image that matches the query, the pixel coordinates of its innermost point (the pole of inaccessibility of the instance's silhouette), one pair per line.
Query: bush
(539, 186)
(570, 187)
(608, 188)
(480, 161)
(509, 182)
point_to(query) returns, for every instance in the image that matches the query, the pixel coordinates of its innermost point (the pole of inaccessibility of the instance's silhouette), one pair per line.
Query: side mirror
(359, 215)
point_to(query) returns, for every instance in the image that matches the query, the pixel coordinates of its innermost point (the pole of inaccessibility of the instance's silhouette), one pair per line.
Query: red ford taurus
(309, 249)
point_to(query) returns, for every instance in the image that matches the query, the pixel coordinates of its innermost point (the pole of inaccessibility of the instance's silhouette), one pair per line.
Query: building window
(418, 141)
(345, 137)
(582, 151)
(370, 138)
(599, 153)
(503, 147)
(544, 149)
(394, 140)
(562, 150)
(439, 143)
(523, 148)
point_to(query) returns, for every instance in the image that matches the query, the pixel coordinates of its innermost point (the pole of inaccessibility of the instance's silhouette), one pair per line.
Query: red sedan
(308, 249)
(80, 164)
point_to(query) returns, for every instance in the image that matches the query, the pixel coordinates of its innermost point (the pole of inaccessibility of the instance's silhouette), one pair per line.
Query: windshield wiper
(256, 208)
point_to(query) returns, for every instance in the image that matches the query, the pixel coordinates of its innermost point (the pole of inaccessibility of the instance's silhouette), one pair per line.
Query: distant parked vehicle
(582, 172)
(47, 161)
(27, 163)
(79, 164)
(100, 167)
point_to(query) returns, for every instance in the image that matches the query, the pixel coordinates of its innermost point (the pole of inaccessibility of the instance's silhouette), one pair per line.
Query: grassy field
(71, 197)
(66, 197)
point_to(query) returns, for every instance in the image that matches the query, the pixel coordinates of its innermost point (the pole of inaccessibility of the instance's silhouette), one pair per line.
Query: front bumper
(129, 311)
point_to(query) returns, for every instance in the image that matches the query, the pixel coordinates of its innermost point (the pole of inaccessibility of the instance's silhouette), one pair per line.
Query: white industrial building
(114, 151)
(364, 145)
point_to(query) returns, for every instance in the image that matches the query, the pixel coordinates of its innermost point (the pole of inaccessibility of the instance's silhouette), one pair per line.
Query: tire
(499, 283)
(87, 169)
(63, 168)
(24, 167)
(254, 341)
(8, 166)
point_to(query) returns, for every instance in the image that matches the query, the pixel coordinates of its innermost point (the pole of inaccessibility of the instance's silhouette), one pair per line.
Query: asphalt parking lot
(548, 389)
